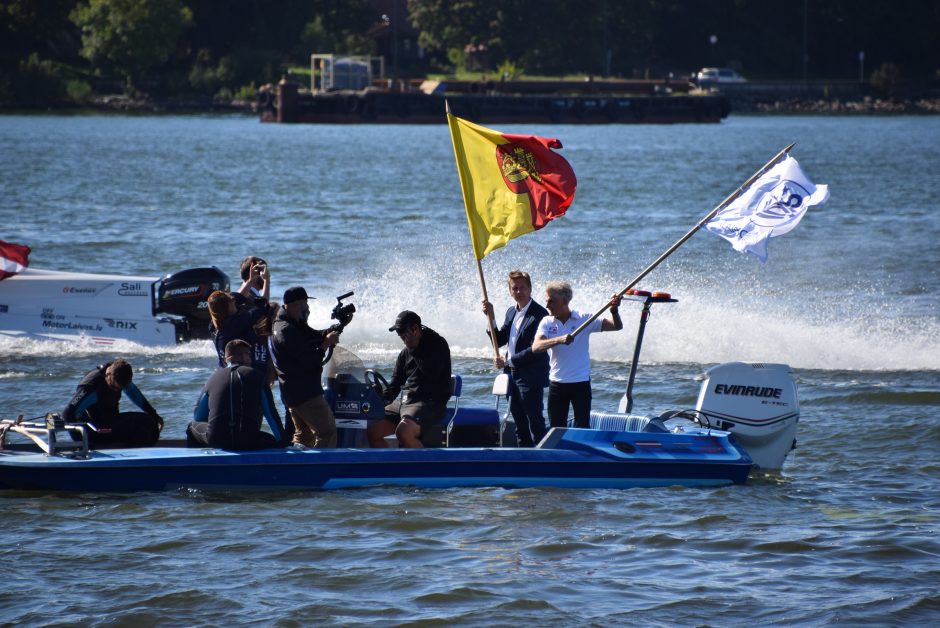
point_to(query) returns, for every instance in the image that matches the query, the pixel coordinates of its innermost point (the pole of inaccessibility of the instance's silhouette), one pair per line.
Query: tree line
(65, 50)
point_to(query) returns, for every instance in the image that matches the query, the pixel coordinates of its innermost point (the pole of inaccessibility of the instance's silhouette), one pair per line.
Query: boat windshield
(346, 362)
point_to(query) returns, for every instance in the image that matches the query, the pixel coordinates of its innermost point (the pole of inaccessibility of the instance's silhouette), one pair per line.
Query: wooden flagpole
(458, 155)
(489, 318)
(770, 164)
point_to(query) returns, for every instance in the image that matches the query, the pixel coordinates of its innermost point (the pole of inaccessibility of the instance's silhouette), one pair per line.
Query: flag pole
(489, 318)
(458, 153)
(731, 197)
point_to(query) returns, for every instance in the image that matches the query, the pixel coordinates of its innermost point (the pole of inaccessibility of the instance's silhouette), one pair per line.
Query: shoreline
(835, 106)
(812, 106)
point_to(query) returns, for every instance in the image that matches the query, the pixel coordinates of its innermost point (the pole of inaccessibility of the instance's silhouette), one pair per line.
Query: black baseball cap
(295, 294)
(405, 319)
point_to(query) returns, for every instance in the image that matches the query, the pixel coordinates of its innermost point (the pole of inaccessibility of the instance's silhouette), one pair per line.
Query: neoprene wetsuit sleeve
(269, 417)
(201, 409)
(85, 397)
(134, 394)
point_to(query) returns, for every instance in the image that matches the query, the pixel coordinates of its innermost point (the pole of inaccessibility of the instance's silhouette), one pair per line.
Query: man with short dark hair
(298, 352)
(228, 413)
(529, 370)
(422, 371)
(96, 401)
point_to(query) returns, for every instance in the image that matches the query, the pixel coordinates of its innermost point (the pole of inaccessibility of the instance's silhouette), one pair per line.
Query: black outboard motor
(184, 294)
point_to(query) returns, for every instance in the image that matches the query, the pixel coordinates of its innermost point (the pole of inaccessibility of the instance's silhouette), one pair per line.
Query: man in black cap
(298, 353)
(422, 370)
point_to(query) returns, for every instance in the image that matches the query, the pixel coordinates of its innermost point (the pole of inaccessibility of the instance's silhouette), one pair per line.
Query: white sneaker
(299, 447)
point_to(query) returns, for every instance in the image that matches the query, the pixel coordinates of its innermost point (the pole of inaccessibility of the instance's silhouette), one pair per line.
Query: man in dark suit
(529, 371)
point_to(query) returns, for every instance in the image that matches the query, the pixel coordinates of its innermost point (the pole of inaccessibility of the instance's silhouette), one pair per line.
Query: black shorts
(421, 412)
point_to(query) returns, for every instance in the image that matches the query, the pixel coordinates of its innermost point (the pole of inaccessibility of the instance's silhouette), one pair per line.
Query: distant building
(395, 38)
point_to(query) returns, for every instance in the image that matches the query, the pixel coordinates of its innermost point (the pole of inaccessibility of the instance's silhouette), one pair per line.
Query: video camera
(342, 312)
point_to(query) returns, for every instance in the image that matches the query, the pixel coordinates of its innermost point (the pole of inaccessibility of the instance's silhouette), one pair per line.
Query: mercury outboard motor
(755, 402)
(184, 295)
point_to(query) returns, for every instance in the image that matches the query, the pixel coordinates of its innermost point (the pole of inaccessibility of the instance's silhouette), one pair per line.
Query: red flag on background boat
(14, 258)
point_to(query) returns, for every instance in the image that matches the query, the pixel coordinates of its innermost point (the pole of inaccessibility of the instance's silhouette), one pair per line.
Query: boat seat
(456, 387)
(614, 421)
(471, 427)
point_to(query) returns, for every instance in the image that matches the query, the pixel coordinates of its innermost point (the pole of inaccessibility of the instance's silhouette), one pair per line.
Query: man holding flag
(570, 359)
(770, 203)
(529, 370)
(511, 185)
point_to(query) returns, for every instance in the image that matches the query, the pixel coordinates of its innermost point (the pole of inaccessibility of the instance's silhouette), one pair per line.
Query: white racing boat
(103, 308)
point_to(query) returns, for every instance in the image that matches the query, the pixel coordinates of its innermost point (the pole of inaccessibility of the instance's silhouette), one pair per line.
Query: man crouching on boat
(97, 399)
(228, 413)
(298, 352)
(422, 370)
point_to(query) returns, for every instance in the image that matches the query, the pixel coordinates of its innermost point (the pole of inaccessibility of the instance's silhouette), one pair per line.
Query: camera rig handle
(343, 313)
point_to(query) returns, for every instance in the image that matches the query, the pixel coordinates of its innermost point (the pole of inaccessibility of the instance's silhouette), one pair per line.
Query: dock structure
(348, 93)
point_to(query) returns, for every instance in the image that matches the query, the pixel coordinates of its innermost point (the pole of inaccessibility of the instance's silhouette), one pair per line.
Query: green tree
(130, 37)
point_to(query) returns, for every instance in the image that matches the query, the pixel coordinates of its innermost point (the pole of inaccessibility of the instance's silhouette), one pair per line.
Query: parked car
(713, 76)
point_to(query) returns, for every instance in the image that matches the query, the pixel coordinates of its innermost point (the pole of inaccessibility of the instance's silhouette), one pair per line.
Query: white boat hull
(98, 308)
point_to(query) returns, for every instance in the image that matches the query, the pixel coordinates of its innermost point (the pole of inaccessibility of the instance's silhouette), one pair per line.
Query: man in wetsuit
(96, 402)
(422, 370)
(228, 413)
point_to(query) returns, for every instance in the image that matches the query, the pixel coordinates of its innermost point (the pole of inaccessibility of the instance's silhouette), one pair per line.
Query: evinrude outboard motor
(755, 402)
(184, 294)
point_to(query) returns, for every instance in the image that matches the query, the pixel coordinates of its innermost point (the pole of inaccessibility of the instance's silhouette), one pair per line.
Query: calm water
(848, 533)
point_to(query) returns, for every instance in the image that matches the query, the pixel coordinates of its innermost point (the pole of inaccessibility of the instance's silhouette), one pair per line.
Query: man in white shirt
(529, 370)
(570, 359)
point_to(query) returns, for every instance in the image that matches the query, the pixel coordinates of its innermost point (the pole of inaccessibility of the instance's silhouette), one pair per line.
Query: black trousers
(577, 395)
(526, 409)
(197, 435)
(127, 429)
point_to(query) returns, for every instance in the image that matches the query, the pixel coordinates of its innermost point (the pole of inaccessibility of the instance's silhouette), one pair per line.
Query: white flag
(772, 206)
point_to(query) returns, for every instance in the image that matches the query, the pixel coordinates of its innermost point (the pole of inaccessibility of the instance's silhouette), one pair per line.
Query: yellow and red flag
(512, 184)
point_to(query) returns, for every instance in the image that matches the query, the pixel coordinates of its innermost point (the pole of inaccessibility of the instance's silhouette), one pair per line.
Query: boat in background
(102, 308)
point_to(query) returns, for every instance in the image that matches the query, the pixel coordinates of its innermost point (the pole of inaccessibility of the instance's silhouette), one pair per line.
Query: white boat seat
(615, 421)
(480, 427)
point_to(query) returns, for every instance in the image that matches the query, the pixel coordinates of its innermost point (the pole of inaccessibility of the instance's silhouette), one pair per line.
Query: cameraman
(298, 353)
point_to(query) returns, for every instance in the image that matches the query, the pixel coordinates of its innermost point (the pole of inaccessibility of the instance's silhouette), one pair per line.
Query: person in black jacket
(298, 352)
(96, 401)
(528, 370)
(228, 413)
(231, 321)
(422, 371)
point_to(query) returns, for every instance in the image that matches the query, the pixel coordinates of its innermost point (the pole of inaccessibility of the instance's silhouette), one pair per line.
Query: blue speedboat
(565, 458)
(745, 417)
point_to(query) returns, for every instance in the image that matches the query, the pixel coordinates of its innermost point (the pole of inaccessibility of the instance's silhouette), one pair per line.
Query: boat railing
(46, 435)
